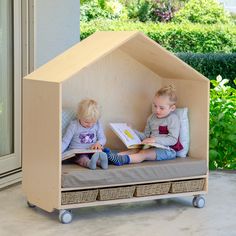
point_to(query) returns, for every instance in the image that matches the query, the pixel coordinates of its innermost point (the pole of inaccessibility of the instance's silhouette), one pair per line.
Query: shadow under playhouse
(122, 71)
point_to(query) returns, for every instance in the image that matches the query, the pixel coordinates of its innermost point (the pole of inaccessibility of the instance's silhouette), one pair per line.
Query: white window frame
(11, 164)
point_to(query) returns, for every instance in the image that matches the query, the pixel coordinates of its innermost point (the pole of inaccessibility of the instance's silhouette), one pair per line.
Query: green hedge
(189, 37)
(222, 125)
(212, 64)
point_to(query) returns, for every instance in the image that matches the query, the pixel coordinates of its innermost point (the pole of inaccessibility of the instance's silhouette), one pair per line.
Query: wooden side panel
(195, 96)
(41, 143)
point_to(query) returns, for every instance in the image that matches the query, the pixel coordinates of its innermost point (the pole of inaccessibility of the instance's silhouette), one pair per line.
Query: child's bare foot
(82, 160)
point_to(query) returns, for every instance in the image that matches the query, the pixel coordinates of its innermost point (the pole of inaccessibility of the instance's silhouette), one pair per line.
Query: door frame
(11, 164)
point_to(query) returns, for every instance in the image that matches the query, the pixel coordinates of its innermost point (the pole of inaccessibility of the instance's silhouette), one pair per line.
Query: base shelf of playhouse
(132, 193)
(133, 199)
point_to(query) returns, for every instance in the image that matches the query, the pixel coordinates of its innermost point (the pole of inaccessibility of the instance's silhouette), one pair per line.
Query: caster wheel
(65, 216)
(30, 205)
(199, 202)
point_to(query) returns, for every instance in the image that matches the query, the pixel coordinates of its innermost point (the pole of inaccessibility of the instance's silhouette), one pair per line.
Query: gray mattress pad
(74, 176)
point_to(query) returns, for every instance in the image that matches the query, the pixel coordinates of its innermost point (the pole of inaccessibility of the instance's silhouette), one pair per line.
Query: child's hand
(148, 140)
(96, 146)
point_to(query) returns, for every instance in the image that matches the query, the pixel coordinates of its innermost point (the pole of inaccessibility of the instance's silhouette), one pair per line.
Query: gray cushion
(68, 115)
(74, 176)
(182, 113)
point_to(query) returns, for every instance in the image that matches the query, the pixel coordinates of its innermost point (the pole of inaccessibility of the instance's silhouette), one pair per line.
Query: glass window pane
(6, 78)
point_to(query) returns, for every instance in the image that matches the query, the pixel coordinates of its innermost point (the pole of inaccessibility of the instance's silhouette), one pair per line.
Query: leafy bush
(222, 125)
(144, 11)
(152, 10)
(101, 9)
(139, 10)
(115, 8)
(174, 37)
(195, 11)
(212, 64)
(164, 10)
(203, 12)
(83, 1)
(92, 10)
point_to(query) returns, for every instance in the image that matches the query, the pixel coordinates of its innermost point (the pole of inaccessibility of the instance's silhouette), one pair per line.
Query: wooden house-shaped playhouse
(122, 71)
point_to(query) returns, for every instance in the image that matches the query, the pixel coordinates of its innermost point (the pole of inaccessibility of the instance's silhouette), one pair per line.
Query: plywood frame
(41, 143)
(111, 72)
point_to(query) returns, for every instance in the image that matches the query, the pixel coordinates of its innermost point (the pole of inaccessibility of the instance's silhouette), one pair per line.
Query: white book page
(72, 152)
(126, 134)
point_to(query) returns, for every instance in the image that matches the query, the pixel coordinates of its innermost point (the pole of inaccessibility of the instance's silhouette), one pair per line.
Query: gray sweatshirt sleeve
(174, 128)
(101, 138)
(147, 131)
(68, 136)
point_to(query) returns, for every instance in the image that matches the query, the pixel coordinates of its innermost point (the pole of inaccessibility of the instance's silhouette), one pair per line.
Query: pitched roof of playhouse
(134, 43)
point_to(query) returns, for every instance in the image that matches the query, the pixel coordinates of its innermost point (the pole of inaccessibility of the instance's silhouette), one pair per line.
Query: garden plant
(222, 125)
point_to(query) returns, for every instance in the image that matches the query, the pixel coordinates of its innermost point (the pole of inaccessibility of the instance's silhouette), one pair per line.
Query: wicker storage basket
(187, 186)
(152, 189)
(116, 193)
(79, 196)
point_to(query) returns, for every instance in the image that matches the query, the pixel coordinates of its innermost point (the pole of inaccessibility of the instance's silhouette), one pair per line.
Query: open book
(72, 152)
(130, 138)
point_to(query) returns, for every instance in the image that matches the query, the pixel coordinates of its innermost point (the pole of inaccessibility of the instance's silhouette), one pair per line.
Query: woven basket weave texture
(116, 193)
(79, 196)
(152, 189)
(187, 186)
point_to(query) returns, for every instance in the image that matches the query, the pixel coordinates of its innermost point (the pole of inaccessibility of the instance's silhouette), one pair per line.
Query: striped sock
(106, 150)
(118, 160)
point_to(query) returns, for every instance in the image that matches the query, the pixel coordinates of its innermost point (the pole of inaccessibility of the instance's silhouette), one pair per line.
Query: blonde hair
(88, 110)
(168, 91)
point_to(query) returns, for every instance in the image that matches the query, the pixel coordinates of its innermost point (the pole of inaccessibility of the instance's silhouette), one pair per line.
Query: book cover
(130, 138)
(72, 152)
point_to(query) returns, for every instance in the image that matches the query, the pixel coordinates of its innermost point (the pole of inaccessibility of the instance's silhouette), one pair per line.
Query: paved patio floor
(166, 217)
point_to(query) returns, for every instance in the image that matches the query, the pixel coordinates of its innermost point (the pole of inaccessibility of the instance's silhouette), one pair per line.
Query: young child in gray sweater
(163, 127)
(86, 133)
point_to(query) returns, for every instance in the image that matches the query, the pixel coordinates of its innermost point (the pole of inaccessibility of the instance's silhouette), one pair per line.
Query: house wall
(56, 28)
(123, 87)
